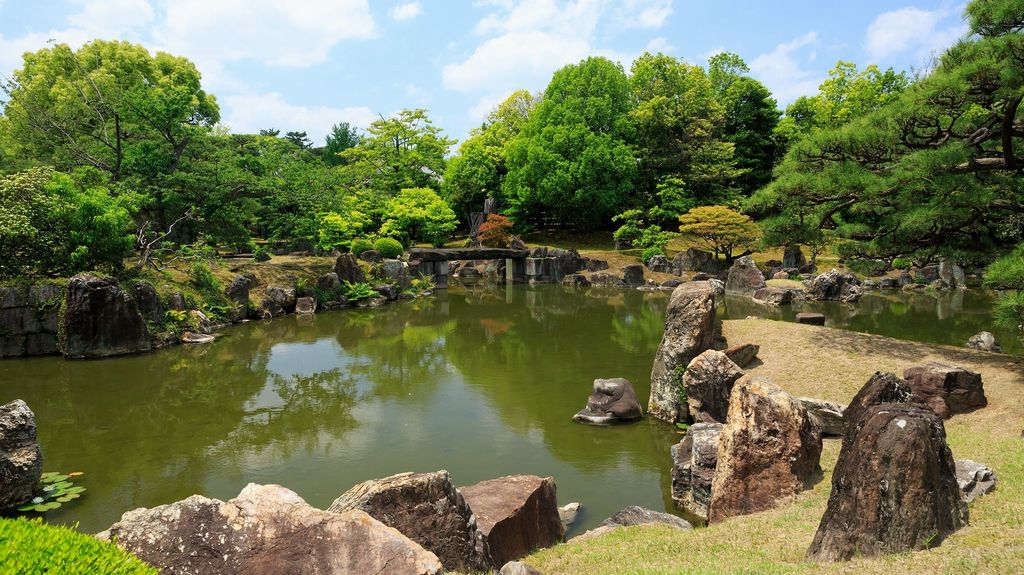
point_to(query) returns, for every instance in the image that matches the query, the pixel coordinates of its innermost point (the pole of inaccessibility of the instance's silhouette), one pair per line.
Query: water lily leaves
(68, 497)
(55, 489)
(53, 478)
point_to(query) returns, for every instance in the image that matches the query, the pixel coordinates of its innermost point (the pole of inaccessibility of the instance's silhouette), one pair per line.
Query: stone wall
(30, 319)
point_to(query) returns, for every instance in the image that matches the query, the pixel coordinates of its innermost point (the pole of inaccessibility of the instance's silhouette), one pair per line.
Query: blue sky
(307, 64)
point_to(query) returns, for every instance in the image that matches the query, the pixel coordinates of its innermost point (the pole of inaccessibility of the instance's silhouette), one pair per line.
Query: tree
(934, 173)
(418, 214)
(404, 151)
(572, 161)
(342, 137)
(722, 229)
(299, 139)
(478, 170)
(677, 120)
(109, 106)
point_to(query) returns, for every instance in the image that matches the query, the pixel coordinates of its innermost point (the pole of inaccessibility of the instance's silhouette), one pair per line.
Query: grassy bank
(833, 364)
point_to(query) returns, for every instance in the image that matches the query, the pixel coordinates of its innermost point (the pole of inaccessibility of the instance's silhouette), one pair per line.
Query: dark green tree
(342, 137)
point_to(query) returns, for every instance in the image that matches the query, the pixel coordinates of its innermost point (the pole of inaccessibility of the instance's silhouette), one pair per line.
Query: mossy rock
(31, 546)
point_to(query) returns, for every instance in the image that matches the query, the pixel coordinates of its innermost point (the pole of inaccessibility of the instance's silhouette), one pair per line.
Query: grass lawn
(833, 364)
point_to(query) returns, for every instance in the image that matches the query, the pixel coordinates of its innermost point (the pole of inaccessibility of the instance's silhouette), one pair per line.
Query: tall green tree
(342, 137)
(478, 170)
(572, 160)
(934, 173)
(109, 105)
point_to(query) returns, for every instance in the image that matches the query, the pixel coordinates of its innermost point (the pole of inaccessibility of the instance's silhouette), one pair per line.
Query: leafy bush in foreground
(31, 546)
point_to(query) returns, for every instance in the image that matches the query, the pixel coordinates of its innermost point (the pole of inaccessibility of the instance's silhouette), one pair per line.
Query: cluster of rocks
(415, 523)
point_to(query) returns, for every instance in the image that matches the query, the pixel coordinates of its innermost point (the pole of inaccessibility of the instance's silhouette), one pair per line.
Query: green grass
(833, 364)
(31, 546)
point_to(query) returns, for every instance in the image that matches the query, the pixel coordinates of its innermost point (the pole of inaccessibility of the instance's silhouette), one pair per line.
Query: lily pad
(54, 478)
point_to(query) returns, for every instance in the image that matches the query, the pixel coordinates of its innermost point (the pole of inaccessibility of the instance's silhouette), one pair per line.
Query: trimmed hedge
(31, 546)
(360, 245)
(388, 248)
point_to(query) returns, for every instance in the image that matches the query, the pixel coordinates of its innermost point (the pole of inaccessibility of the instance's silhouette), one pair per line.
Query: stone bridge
(539, 265)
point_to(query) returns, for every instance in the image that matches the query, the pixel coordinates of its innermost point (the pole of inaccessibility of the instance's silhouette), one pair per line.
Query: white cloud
(103, 16)
(405, 11)
(659, 44)
(518, 57)
(781, 71)
(267, 31)
(907, 29)
(646, 13)
(250, 113)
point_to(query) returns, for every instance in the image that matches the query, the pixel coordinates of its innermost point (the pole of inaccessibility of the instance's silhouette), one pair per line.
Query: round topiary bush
(31, 546)
(388, 248)
(360, 245)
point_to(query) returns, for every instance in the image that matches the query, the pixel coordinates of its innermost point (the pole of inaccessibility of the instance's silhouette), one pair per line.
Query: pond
(482, 383)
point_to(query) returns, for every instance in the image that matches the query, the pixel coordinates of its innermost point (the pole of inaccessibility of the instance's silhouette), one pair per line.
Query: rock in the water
(689, 331)
(894, 487)
(880, 388)
(633, 275)
(428, 509)
(200, 322)
(21, 461)
(567, 513)
(768, 452)
(576, 280)
(279, 300)
(348, 270)
(612, 401)
(197, 338)
(397, 272)
(693, 468)
(947, 389)
(717, 285)
(984, 341)
(974, 479)
(148, 301)
(708, 383)
(744, 277)
(659, 264)
(826, 415)
(636, 515)
(744, 354)
(266, 530)
(834, 286)
(305, 305)
(100, 320)
(517, 514)
(518, 568)
(809, 318)
(773, 296)
(953, 275)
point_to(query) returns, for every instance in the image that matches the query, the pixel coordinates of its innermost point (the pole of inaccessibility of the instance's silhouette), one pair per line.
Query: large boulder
(880, 388)
(947, 389)
(428, 509)
(974, 479)
(744, 277)
(279, 300)
(659, 264)
(397, 272)
(953, 275)
(708, 383)
(826, 415)
(517, 514)
(21, 461)
(694, 260)
(305, 306)
(612, 401)
(773, 296)
(101, 320)
(238, 293)
(768, 452)
(834, 286)
(633, 275)
(689, 331)
(348, 270)
(744, 354)
(894, 487)
(148, 301)
(693, 468)
(793, 257)
(984, 341)
(266, 530)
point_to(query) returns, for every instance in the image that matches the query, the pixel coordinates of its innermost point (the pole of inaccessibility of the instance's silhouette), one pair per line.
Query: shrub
(359, 291)
(31, 546)
(1007, 272)
(418, 214)
(650, 252)
(632, 224)
(360, 245)
(202, 278)
(261, 254)
(337, 230)
(900, 264)
(1009, 310)
(388, 247)
(496, 231)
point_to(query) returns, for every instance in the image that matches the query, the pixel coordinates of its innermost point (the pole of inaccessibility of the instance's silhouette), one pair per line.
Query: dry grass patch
(833, 364)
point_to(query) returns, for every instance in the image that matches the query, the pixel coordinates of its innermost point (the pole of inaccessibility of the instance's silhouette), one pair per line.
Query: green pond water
(482, 383)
